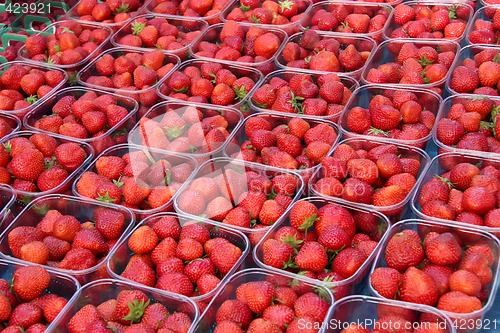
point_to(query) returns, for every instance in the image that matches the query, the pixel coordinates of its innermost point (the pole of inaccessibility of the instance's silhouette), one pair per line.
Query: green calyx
(308, 223)
(41, 209)
(245, 8)
(286, 4)
(376, 131)
(136, 311)
(123, 8)
(240, 92)
(106, 198)
(445, 180)
(292, 240)
(424, 61)
(296, 102)
(32, 99)
(137, 28)
(174, 132)
(452, 12)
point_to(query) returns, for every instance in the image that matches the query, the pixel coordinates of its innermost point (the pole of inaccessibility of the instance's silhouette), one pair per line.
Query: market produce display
(248, 166)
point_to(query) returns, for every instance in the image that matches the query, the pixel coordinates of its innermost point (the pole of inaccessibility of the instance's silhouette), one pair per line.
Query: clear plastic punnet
(387, 52)
(190, 28)
(487, 106)
(185, 125)
(371, 9)
(482, 15)
(395, 211)
(465, 13)
(25, 193)
(122, 254)
(211, 37)
(208, 321)
(98, 292)
(221, 185)
(53, 30)
(428, 100)
(364, 45)
(147, 96)
(466, 322)
(109, 135)
(340, 287)
(440, 168)
(83, 210)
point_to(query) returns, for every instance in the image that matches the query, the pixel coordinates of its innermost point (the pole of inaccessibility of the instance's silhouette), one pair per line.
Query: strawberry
(386, 281)
(418, 287)
(385, 117)
(276, 254)
(30, 281)
(130, 306)
(143, 240)
(311, 257)
(177, 283)
(235, 311)
(458, 302)
(478, 200)
(466, 282)
(70, 155)
(303, 215)
(27, 165)
(443, 249)
(464, 80)
(403, 250)
(225, 257)
(311, 305)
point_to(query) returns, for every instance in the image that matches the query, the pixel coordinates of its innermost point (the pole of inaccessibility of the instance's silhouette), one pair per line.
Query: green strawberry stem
(32, 99)
(174, 132)
(41, 209)
(376, 131)
(286, 4)
(245, 8)
(136, 311)
(123, 8)
(241, 93)
(137, 28)
(106, 198)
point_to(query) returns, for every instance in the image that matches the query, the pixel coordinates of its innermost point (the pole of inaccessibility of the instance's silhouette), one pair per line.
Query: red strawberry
(418, 287)
(386, 281)
(235, 311)
(458, 302)
(403, 250)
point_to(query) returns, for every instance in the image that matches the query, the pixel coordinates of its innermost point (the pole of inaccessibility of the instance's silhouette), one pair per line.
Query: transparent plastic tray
(207, 319)
(394, 212)
(201, 154)
(45, 109)
(218, 166)
(482, 13)
(90, 70)
(442, 164)
(52, 29)
(350, 286)
(100, 291)
(80, 208)
(122, 149)
(362, 43)
(362, 96)
(185, 25)
(122, 253)
(466, 323)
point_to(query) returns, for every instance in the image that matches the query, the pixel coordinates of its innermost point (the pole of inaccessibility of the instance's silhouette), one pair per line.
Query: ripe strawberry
(464, 80)
(303, 215)
(386, 281)
(443, 249)
(143, 240)
(30, 282)
(348, 261)
(403, 250)
(458, 302)
(418, 287)
(277, 254)
(130, 306)
(311, 257)
(235, 311)
(225, 257)
(311, 305)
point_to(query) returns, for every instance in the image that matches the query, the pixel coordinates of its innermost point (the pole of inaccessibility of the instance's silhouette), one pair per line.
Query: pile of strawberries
(109, 12)
(245, 199)
(472, 123)
(185, 128)
(208, 10)
(350, 19)
(410, 63)
(310, 50)
(323, 241)
(21, 86)
(151, 32)
(71, 43)
(440, 267)
(10, 50)
(232, 41)
(369, 173)
(282, 13)
(272, 305)
(184, 259)
(392, 113)
(476, 73)
(40, 162)
(137, 72)
(65, 242)
(25, 304)
(134, 179)
(308, 94)
(284, 142)
(89, 115)
(486, 30)
(131, 311)
(210, 82)
(429, 21)
(467, 193)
